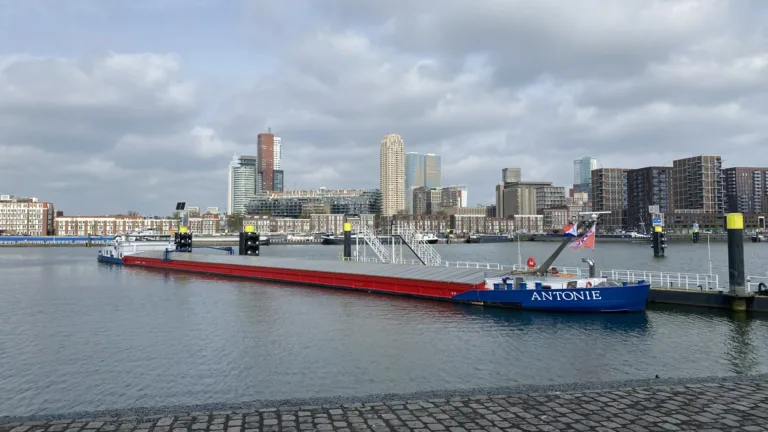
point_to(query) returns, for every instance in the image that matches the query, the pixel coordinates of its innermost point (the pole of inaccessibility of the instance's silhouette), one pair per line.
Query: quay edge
(707, 299)
(659, 394)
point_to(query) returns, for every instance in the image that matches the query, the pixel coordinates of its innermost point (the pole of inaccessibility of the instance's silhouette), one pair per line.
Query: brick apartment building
(112, 225)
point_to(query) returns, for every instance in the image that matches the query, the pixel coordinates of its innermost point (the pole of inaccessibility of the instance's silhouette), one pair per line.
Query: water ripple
(76, 335)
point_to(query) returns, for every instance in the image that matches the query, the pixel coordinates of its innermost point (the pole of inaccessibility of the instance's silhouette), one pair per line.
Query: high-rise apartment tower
(392, 174)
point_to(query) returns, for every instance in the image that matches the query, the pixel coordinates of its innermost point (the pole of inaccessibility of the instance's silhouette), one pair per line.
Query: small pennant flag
(571, 230)
(587, 240)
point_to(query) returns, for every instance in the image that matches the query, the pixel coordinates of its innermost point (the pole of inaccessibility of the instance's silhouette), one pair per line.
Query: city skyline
(146, 111)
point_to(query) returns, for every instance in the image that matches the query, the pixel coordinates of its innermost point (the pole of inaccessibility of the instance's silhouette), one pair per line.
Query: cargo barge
(473, 286)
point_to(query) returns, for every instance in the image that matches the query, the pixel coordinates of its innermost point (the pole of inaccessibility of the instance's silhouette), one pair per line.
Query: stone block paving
(696, 407)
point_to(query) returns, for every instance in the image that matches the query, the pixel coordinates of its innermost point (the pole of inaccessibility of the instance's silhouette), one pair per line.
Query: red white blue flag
(571, 230)
(587, 240)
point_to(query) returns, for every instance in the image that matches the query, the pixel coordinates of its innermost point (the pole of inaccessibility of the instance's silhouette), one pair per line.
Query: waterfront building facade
(649, 186)
(609, 193)
(422, 223)
(113, 225)
(26, 216)
(304, 203)
(555, 218)
(549, 196)
(242, 183)
(746, 189)
(520, 198)
(205, 224)
(698, 185)
(480, 224)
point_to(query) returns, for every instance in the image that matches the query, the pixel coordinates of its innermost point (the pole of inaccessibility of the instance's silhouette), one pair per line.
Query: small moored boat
(128, 244)
(427, 238)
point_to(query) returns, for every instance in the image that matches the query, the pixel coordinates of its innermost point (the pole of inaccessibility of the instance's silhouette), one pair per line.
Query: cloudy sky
(111, 106)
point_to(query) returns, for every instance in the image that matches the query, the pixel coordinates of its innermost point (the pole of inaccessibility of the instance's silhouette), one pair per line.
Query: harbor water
(77, 335)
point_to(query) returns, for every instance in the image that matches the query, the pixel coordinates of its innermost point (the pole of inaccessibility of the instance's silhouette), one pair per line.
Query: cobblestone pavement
(716, 406)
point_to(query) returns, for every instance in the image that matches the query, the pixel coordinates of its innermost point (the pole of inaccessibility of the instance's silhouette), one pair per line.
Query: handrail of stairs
(423, 250)
(372, 240)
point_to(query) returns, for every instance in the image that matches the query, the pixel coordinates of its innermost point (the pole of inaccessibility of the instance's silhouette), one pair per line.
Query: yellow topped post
(734, 221)
(183, 229)
(734, 224)
(249, 228)
(658, 242)
(347, 240)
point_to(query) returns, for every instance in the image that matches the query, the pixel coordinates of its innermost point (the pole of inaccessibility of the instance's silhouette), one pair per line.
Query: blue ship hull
(109, 260)
(629, 298)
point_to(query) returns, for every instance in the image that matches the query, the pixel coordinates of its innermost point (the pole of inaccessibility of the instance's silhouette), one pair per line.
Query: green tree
(132, 213)
(175, 215)
(235, 222)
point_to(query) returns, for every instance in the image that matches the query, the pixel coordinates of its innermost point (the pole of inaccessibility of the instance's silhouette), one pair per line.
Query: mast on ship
(590, 220)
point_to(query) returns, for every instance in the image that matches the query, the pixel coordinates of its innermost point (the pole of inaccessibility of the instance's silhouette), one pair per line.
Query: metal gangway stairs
(372, 240)
(423, 250)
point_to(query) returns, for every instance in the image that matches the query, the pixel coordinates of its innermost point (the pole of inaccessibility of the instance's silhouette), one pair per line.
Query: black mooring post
(734, 223)
(658, 252)
(347, 240)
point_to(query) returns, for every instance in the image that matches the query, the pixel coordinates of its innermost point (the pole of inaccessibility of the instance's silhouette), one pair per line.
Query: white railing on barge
(665, 280)
(669, 280)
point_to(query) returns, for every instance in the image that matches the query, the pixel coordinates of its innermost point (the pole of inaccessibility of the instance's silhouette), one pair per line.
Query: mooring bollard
(659, 242)
(734, 224)
(347, 240)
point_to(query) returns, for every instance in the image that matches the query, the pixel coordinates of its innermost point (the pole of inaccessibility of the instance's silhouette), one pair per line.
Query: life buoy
(589, 284)
(531, 262)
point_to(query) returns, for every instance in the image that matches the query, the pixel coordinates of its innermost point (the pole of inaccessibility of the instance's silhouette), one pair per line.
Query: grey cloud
(528, 84)
(72, 128)
(527, 39)
(85, 106)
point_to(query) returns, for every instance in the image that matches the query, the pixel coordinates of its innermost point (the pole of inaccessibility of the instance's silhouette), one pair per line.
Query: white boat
(429, 238)
(136, 242)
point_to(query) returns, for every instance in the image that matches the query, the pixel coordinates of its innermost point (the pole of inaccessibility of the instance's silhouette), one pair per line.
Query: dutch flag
(571, 230)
